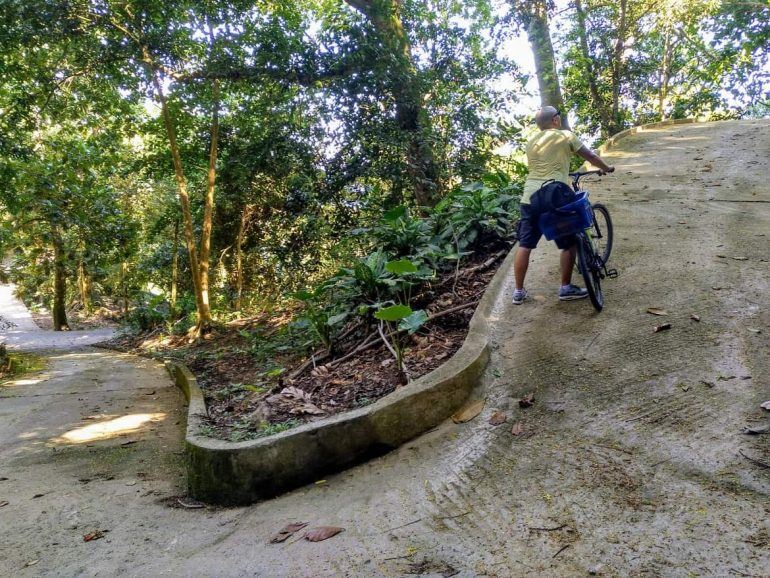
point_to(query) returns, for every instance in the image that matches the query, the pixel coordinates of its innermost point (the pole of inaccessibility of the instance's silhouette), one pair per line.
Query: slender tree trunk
(617, 67)
(204, 315)
(665, 74)
(241, 238)
(208, 208)
(174, 270)
(60, 282)
(84, 286)
(124, 283)
(422, 168)
(599, 103)
(535, 16)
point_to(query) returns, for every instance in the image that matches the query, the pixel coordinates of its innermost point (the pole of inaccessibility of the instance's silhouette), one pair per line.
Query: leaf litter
(470, 411)
(498, 418)
(287, 531)
(656, 311)
(322, 533)
(518, 429)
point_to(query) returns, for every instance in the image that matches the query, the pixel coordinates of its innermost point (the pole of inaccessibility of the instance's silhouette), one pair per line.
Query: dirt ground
(631, 462)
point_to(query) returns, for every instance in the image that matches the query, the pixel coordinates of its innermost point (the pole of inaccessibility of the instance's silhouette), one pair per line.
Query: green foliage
(393, 313)
(325, 320)
(402, 235)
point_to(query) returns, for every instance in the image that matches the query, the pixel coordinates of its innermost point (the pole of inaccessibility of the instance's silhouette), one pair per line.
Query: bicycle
(592, 225)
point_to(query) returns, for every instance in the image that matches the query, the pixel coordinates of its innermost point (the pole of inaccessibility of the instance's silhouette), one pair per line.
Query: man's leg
(568, 291)
(567, 261)
(520, 265)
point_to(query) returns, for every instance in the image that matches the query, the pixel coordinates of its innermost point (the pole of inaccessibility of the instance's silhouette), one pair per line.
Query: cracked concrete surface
(632, 461)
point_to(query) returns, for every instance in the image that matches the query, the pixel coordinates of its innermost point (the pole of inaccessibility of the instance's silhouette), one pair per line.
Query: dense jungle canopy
(192, 162)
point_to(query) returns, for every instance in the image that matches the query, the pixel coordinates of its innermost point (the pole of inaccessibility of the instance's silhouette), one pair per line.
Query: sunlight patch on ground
(17, 382)
(109, 429)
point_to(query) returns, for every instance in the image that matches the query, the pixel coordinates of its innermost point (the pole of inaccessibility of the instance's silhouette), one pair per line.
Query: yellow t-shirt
(548, 156)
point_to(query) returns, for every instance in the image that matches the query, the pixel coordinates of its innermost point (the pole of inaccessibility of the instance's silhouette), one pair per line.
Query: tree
(533, 16)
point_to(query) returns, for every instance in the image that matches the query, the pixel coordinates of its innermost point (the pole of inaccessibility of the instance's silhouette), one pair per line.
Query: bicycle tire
(601, 232)
(589, 269)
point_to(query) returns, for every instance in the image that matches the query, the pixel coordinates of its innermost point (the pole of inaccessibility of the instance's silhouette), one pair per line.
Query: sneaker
(570, 292)
(519, 295)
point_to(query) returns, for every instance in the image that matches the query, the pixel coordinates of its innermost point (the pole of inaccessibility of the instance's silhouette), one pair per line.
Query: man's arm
(594, 159)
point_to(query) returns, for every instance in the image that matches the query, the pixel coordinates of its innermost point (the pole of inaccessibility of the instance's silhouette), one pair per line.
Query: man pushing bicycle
(547, 187)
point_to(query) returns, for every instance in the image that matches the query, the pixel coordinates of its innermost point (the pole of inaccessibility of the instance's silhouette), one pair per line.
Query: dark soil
(246, 400)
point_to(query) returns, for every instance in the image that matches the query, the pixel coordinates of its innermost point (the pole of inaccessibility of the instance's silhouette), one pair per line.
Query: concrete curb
(234, 473)
(607, 145)
(641, 128)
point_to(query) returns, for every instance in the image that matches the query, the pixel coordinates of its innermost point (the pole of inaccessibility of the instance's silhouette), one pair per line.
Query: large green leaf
(393, 313)
(395, 214)
(414, 321)
(401, 267)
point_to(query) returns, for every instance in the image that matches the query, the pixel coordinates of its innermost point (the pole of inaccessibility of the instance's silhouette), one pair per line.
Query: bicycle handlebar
(577, 176)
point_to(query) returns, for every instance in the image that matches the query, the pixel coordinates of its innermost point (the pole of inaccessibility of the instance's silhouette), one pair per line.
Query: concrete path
(631, 461)
(18, 330)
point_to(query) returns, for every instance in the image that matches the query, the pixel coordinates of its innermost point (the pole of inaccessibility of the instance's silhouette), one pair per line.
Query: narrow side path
(19, 331)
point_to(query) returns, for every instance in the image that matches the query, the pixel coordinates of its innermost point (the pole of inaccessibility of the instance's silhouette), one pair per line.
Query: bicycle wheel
(601, 232)
(590, 270)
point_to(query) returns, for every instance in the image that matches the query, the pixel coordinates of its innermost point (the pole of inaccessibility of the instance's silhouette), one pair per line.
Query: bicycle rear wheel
(601, 232)
(590, 269)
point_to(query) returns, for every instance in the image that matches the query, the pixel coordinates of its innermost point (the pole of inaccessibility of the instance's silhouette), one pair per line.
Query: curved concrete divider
(242, 472)
(641, 128)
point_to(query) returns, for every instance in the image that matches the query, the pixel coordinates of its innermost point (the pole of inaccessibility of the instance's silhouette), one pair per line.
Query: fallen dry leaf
(753, 330)
(470, 411)
(656, 311)
(284, 533)
(292, 392)
(527, 400)
(128, 442)
(766, 405)
(90, 537)
(739, 258)
(3, 503)
(31, 563)
(322, 533)
(307, 408)
(663, 327)
(497, 418)
(320, 371)
(517, 429)
(695, 317)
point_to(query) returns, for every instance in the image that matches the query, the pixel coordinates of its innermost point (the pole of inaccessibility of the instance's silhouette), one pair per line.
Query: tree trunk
(204, 314)
(385, 17)
(208, 208)
(174, 270)
(60, 282)
(599, 103)
(617, 68)
(535, 16)
(241, 238)
(84, 286)
(665, 74)
(124, 283)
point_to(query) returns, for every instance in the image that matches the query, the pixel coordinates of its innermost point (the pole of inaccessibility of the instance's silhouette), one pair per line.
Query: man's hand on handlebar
(609, 169)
